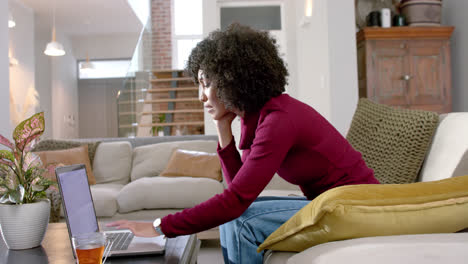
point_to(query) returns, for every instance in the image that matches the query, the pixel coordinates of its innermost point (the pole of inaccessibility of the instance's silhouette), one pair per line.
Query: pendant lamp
(87, 65)
(54, 48)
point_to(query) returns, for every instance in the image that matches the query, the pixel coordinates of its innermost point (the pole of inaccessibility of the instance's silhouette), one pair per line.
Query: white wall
(104, 46)
(454, 14)
(342, 55)
(5, 127)
(64, 92)
(312, 51)
(43, 76)
(21, 47)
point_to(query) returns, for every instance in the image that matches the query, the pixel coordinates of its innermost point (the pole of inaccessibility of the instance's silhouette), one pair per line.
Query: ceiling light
(87, 65)
(54, 48)
(11, 21)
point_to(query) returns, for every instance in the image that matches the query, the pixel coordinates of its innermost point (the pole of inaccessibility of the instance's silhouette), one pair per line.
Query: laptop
(81, 218)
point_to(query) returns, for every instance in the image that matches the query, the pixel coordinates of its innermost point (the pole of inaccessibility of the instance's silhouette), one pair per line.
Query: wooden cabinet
(407, 67)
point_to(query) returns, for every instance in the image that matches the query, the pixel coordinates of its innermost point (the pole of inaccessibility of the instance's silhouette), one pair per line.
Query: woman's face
(207, 95)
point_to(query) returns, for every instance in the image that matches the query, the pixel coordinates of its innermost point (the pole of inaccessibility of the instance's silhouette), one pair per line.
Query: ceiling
(86, 17)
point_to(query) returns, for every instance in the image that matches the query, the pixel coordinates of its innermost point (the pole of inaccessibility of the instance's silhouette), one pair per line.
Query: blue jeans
(241, 237)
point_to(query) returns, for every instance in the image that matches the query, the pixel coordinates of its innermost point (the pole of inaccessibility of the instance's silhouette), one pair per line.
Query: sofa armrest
(449, 144)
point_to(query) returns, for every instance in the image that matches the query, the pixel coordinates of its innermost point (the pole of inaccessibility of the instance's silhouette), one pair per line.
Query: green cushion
(393, 142)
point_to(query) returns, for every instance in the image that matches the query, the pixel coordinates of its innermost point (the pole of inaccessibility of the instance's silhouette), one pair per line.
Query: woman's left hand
(141, 229)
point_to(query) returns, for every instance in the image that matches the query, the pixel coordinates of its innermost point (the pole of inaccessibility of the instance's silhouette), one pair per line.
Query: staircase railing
(156, 102)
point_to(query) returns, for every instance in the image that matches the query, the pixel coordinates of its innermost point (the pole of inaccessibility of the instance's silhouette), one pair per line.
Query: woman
(240, 73)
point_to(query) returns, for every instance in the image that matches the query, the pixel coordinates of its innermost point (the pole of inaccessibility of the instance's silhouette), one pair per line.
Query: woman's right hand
(223, 126)
(140, 229)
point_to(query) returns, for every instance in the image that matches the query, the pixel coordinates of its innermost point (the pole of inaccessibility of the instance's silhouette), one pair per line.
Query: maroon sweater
(285, 136)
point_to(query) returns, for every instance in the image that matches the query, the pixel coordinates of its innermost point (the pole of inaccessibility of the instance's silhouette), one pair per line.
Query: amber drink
(89, 248)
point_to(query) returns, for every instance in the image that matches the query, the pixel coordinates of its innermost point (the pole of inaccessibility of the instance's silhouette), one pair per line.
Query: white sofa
(128, 185)
(447, 157)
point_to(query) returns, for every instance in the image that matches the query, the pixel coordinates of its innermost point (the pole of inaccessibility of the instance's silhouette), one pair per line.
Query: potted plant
(24, 208)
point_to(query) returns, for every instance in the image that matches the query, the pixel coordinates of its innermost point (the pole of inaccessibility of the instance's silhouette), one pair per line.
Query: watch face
(157, 222)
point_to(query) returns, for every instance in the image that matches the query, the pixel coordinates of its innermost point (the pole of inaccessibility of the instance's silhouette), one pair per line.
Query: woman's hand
(141, 229)
(223, 126)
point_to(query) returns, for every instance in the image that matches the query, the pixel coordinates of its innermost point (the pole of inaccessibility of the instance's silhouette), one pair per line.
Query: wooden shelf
(164, 112)
(169, 100)
(441, 32)
(177, 89)
(168, 70)
(193, 123)
(171, 79)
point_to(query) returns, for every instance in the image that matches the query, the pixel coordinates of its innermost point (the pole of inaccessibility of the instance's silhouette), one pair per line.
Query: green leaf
(28, 130)
(6, 154)
(5, 199)
(6, 157)
(17, 195)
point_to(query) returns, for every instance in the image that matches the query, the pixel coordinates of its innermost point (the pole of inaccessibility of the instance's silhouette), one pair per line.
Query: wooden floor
(210, 252)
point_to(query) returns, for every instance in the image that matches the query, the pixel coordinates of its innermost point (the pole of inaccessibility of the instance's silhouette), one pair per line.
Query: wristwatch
(157, 226)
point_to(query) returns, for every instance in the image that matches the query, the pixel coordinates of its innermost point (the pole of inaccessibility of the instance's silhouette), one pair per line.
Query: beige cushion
(113, 162)
(193, 164)
(78, 155)
(151, 160)
(449, 144)
(165, 192)
(105, 198)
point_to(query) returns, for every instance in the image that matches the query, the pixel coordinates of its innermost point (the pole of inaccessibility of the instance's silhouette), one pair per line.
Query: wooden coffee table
(56, 248)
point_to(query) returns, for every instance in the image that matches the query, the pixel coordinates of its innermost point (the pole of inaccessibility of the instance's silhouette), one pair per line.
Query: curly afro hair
(244, 65)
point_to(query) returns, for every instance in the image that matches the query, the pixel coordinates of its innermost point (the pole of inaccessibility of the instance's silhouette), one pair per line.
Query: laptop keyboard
(121, 240)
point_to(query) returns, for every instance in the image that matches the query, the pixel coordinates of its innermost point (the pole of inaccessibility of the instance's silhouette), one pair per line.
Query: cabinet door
(388, 65)
(430, 81)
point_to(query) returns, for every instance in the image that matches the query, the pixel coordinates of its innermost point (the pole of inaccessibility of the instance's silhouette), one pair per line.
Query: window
(186, 32)
(258, 17)
(104, 69)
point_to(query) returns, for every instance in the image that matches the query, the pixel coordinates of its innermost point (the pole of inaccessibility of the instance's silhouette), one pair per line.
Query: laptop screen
(77, 201)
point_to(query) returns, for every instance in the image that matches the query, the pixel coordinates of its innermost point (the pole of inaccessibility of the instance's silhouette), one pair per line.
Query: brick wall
(162, 60)
(161, 27)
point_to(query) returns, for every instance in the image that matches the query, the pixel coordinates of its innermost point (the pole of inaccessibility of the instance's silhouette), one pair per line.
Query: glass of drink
(89, 247)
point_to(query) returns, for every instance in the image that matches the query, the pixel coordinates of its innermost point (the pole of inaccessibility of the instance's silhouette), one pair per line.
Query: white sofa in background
(128, 185)
(447, 157)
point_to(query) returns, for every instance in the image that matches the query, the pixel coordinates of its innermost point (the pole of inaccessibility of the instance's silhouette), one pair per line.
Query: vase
(422, 12)
(23, 226)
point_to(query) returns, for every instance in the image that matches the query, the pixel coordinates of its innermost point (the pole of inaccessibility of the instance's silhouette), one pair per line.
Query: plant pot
(422, 12)
(23, 226)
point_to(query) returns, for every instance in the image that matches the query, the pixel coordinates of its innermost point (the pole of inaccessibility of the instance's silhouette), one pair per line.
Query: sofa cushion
(367, 210)
(191, 163)
(57, 144)
(393, 142)
(113, 162)
(105, 198)
(78, 155)
(405, 249)
(166, 192)
(151, 160)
